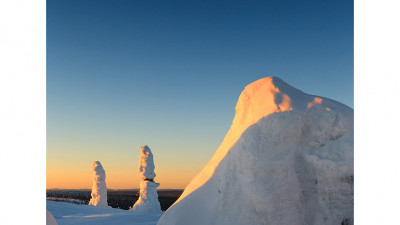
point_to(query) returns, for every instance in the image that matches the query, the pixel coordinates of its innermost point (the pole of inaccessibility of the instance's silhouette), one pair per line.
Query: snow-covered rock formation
(99, 189)
(286, 160)
(148, 199)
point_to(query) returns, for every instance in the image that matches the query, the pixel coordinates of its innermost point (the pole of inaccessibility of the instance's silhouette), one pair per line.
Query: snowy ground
(68, 214)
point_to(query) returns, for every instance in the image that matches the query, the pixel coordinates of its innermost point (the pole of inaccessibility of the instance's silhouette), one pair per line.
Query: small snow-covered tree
(148, 197)
(99, 189)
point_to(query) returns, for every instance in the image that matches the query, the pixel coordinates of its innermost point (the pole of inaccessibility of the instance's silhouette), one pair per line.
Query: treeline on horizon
(121, 198)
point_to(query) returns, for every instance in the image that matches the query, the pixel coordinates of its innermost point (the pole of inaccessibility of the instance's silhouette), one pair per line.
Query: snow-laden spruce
(99, 188)
(146, 163)
(148, 199)
(287, 159)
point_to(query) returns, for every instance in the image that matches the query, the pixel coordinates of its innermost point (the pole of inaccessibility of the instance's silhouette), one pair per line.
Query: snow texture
(146, 163)
(50, 218)
(148, 199)
(287, 159)
(99, 189)
(72, 214)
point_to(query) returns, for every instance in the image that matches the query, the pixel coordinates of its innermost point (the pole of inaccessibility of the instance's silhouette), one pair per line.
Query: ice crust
(148, 199)
(287, 159)
(99, 188)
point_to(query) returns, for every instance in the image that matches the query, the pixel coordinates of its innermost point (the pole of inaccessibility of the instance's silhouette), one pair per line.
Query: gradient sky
(121, 74)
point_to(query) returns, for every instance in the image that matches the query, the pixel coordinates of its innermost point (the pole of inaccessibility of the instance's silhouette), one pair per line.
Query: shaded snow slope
(72, 214)
(50, 219)
(287, 159)
(99, 189)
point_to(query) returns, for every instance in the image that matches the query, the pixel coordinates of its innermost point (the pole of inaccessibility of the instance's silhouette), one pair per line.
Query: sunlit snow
(148, 198)
(287, 159)
(99, 189)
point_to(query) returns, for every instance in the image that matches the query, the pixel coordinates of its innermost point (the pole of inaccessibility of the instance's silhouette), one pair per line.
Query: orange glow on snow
(252, 105)
(316, 101)
(328, 109)
(285, 105)
(89, 216)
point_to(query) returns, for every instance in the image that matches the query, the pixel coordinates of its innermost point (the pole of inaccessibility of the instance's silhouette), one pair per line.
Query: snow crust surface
(73, 214)
(287, 159)
(99, 188)
(148, 199)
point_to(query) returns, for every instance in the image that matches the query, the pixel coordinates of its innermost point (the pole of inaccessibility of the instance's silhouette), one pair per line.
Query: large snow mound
(287, 159)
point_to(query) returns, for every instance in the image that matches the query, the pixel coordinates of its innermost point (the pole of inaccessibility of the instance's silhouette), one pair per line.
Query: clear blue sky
(121, 74)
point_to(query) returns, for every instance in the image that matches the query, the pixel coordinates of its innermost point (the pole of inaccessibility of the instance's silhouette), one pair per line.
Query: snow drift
(148, 198)
(287, 159)
(99, 189)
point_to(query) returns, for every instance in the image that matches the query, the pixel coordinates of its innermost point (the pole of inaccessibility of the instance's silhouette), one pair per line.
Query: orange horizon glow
(119, 175)
(116, 179)
(69, 164)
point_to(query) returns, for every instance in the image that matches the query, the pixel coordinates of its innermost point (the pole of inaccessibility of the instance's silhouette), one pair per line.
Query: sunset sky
(122, 74)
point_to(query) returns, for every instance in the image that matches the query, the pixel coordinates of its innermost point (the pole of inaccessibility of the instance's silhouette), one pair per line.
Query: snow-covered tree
(99, 189)
(148, 198)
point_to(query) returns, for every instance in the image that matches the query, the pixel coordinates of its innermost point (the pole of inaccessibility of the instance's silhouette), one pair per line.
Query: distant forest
(122, 199)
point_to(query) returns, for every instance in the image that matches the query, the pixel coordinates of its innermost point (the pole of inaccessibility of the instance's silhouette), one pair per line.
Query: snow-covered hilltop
(287, 159)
